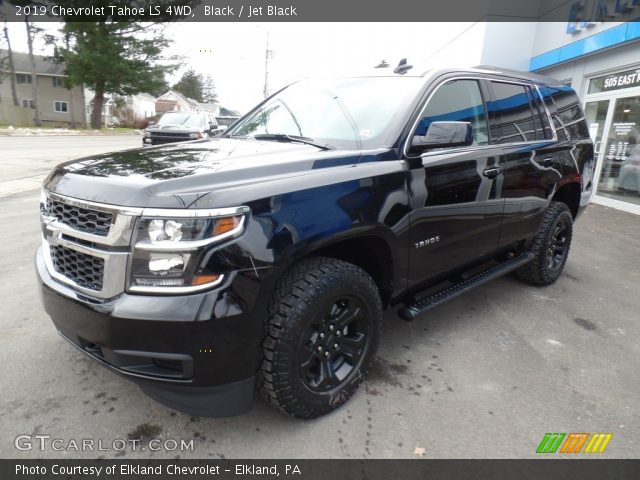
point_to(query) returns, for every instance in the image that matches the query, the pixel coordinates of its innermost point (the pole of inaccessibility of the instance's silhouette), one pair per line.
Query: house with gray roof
(59, 106)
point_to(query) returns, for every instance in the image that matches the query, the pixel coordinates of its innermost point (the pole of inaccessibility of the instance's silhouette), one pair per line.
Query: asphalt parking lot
(25, 160)
(483, 376)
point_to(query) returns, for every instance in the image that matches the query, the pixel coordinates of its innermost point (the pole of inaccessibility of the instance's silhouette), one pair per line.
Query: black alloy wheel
(334, 344)
(559, 244)
(550, 247)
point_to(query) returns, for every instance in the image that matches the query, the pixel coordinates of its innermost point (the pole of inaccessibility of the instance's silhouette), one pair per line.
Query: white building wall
(143, 107)
(508, 44)
(552, 35)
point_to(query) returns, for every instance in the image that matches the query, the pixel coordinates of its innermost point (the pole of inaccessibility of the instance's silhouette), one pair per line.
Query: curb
(15, 133)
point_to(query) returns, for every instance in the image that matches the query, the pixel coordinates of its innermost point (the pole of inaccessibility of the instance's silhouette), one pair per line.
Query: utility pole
(72, 120)
(267, 55)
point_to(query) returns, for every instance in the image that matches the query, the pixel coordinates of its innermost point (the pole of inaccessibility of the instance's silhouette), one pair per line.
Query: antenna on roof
(403, 67)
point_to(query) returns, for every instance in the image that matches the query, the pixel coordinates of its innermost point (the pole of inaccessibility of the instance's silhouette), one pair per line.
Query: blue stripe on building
(627, 32)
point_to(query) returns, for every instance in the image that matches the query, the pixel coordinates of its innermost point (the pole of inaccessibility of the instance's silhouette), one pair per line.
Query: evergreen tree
(121, 56)
(190, 85)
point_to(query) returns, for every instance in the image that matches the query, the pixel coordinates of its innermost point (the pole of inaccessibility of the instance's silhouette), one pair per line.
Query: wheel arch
(569, 194)
(369, 250)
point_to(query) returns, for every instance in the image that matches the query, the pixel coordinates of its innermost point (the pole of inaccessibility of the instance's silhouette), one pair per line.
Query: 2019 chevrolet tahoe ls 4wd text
(266, 256)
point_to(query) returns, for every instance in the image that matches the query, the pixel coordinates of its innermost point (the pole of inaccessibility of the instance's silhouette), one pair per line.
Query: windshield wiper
(281, 137)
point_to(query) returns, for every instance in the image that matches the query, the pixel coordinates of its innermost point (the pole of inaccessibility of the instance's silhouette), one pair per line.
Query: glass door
(596, 114)
(619, 153)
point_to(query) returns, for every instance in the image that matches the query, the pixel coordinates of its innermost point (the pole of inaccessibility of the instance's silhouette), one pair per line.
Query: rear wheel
(550, 247)
(323, 331)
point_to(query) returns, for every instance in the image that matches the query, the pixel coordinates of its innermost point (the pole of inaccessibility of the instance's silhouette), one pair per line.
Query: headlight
(147, 133)
(195, 135)
(169, 254)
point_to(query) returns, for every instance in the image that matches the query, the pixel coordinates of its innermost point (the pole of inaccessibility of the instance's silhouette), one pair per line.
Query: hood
(184, 175)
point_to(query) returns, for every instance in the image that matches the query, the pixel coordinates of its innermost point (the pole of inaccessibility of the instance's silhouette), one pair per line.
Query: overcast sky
(234, 53)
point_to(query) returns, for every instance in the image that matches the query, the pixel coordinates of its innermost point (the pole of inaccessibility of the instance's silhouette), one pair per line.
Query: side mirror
(151, 123)
(216, 130)
(445, 134)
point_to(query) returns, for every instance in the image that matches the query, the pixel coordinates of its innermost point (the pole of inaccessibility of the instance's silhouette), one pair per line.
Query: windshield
(180, 119)
(347, 113)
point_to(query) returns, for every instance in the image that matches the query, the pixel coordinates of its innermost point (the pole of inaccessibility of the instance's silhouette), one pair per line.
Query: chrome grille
(84, 270)
(170, 135)
(84, 243)
(85, 220)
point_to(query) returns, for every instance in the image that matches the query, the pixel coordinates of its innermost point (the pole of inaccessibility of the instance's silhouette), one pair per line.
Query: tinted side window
(459, 101)
(568, 118)
(513, 114)
(539, 112)
(570, 113)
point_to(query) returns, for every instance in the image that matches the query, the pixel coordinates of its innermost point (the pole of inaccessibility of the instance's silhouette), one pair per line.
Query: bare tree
(31, 33)
(12, 69)
(72, 120)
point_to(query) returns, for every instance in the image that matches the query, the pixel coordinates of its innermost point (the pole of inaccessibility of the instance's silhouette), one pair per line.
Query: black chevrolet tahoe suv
(265, 257)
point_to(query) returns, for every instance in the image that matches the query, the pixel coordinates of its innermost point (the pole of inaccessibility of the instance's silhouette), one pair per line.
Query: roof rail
(518, 73)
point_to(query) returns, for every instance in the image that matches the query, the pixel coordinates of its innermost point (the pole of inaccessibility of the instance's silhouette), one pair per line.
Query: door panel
(455, 196)
(530, 175)
(457, 212)
(532, 162)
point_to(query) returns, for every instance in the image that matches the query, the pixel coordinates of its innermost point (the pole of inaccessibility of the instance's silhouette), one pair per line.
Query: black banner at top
(578, 12)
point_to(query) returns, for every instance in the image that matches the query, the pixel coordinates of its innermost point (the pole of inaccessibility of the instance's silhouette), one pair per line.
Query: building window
(23, 78)
(27, 103)
(60, 107)
(58, 81)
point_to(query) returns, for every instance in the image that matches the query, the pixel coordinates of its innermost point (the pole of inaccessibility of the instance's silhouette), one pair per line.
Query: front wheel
(550, 247)
(324, 326)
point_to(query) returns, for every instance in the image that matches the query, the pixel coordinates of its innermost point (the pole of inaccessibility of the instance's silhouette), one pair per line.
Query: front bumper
(195, 353)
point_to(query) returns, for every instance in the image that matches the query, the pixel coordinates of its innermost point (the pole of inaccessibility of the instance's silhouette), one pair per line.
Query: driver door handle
(492, 172)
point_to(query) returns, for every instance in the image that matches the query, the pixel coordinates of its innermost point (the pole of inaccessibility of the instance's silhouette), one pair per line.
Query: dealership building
(600, 60)
(602, 63)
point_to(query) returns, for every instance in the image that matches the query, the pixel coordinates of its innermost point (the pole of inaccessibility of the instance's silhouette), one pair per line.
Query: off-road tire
(304, 289)
(540, 270)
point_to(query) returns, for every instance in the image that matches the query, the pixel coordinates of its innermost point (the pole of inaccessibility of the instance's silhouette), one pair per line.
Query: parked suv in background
(180, 127)
(267, 255)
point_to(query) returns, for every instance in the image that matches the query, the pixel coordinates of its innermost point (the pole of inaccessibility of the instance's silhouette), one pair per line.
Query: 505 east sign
(628, 79)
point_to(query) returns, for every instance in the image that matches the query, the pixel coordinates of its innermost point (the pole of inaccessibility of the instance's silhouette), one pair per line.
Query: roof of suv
(486, 69)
